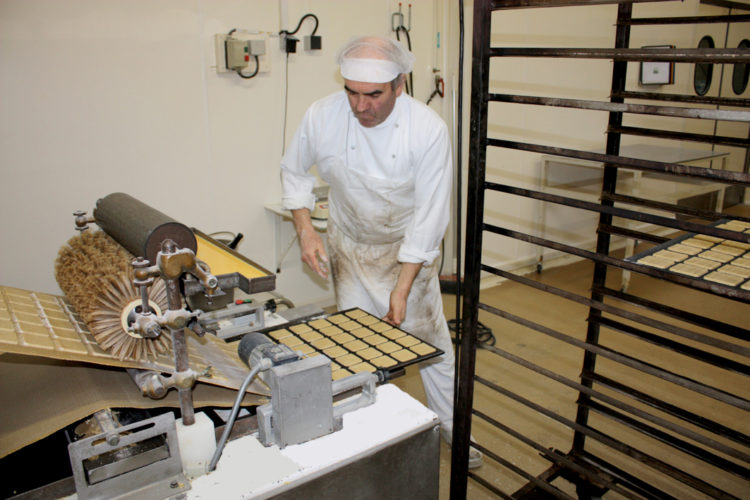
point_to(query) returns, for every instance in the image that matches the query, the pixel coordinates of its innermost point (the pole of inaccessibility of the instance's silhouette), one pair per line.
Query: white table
(584, 179)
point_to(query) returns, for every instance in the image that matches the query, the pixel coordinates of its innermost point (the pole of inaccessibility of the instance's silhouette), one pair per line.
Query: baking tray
(355, 341)
(704, 257)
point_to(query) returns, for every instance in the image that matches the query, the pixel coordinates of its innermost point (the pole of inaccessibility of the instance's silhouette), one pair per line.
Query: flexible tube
(233, 416)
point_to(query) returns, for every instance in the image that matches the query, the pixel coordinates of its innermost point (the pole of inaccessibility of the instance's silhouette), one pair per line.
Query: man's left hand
(400, 293)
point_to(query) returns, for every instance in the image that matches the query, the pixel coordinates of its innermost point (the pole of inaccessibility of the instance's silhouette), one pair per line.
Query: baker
(387, 159)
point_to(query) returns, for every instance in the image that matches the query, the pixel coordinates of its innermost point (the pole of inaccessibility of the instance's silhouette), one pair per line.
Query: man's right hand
(313, 251)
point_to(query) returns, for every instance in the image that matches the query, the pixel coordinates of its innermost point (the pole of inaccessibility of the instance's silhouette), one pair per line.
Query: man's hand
(400, 293)
(313, 251)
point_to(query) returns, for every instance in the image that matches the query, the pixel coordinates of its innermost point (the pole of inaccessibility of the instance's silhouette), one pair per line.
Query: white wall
(122, 95)
(98, 97)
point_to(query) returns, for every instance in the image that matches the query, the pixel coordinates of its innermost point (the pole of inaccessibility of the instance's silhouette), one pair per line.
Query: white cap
(374, 60)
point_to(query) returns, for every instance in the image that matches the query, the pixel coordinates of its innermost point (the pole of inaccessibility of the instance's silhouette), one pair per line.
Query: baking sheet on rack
(704, 257)
(355, 341)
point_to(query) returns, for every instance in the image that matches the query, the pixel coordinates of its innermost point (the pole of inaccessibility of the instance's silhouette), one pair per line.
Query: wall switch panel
(237, 51)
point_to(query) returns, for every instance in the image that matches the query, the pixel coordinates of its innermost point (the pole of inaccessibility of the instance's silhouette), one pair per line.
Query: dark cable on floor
(484, 333)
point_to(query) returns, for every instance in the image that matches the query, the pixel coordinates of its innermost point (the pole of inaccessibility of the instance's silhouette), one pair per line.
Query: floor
(570, 318)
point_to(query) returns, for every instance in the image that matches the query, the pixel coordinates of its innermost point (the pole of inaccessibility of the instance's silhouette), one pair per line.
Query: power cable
(257, 67)
(410, 82)
(306, 16)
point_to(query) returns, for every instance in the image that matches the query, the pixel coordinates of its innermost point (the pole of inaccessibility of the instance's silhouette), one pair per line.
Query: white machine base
(393, 443)
(197, 445)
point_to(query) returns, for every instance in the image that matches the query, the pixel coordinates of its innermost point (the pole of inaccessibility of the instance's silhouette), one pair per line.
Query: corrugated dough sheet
(41, 324)
(42, 395)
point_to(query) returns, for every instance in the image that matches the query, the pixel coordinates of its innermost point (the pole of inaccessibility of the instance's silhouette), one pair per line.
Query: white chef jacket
(409, 153)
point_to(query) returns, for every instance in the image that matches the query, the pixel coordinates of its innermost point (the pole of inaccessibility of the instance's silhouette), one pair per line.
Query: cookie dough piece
(369, 353)
(689, 269)
(423, 349)
(380, 326)
(737, 244)
(724, 278)
(279, 334)
(362, 367)
(686, 249)
(653, 261)
(728, 249)
(403, 355)
(705, 263)
(746, 285)
(322, 343)
(349, 325)
(375, 339)
(673, 256)
(300, 328)
(319, 323)
(389, 347)
(695, 242)
(383, 362)
(743, 272)
(408, 341)
(356, 345)
(362, 332)
(394, 334)
(310, 336)
(335, 352)
(342, 338)
(356, 313)
(742, 262)
(305, 349)
(717, 256)
(734, 225)
(337, 319)
(292, 341)
(339, 374)
(348, 360)
(331, 330)
(707, 237)
(368, 320)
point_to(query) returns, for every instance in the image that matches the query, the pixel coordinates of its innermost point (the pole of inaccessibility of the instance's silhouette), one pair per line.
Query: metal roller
(140, 228)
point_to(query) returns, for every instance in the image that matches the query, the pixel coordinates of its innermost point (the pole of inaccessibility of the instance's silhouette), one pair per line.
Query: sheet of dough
(42, 395)
(40, 324)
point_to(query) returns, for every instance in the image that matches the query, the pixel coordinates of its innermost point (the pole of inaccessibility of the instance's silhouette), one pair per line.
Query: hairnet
(374, 59)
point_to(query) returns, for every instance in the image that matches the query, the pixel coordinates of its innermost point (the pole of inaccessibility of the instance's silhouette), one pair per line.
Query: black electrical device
(290, 44)
(255, 344)
(313, 42)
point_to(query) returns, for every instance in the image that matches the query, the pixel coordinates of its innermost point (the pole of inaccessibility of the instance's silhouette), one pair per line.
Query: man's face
(371, 103)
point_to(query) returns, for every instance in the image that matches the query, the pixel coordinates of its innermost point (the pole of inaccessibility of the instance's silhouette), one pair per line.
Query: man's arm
(400, 293)
(313, 250)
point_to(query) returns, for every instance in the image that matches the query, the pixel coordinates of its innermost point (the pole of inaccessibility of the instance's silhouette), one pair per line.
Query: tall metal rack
(636, 461)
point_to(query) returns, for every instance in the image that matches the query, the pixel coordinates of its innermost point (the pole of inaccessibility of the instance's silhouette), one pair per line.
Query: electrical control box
(236, 54)
(238, 50)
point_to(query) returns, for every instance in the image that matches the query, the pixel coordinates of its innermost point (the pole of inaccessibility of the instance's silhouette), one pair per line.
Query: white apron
(368, 218)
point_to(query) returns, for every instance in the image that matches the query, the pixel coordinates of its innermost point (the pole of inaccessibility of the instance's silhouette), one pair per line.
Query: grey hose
(235, 411)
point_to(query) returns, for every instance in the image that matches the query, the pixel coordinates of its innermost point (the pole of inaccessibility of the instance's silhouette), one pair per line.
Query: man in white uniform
(387, 159)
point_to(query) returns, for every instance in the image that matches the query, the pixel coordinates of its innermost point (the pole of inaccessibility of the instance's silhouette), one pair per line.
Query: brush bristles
(96, 276)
